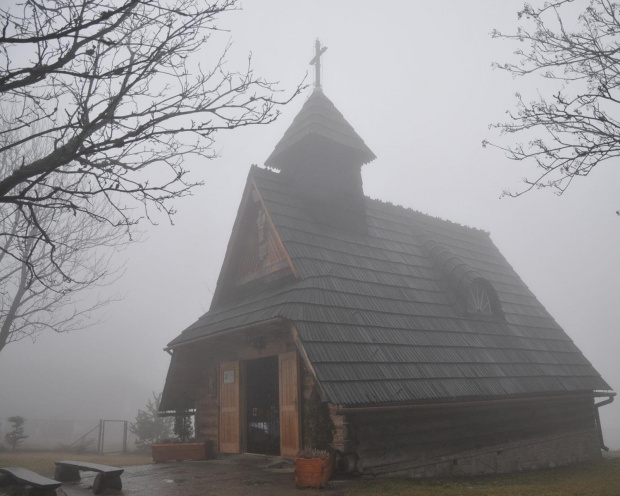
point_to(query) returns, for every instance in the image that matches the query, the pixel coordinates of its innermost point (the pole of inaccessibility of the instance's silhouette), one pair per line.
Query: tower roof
(319, 121)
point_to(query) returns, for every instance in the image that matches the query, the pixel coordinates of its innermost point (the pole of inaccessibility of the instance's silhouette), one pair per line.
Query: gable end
(256, 256)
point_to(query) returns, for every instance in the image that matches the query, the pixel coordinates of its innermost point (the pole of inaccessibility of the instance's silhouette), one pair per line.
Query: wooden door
(289, 405)
(230, 428)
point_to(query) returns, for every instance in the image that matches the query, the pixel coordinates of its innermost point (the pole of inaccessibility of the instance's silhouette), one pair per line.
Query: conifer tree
(16, 437)
(149, 427)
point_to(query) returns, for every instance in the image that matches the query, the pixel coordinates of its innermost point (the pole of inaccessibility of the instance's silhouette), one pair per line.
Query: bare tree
(65, 294)
(576, 44)
(114, 89)
(55, 286)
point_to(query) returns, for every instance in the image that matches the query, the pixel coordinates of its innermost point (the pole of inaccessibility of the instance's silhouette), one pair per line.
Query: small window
(478, 300)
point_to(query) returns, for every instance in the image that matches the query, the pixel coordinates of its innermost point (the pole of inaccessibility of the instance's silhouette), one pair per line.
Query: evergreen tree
(149, 427)
(16, 437)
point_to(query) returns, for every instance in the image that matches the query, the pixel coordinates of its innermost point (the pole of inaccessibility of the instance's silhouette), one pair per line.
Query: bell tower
(322, 156)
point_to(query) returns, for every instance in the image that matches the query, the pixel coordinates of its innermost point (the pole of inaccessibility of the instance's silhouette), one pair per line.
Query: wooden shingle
(379, 317)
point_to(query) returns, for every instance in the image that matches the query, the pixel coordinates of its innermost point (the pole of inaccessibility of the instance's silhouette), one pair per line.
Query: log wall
(467, 440)
(206, 418)
(340, 430)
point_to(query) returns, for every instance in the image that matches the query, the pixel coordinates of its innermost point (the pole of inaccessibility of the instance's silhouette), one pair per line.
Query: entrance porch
(247, 388)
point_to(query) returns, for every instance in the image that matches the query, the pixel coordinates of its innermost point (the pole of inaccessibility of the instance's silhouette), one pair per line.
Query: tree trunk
(5, 331)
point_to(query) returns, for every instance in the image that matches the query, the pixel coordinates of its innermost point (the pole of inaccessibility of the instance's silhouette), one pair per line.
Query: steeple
(322, 156)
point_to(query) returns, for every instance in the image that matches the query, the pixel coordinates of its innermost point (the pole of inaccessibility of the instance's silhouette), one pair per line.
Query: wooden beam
(273, 229)
(454, 404)
(304, 356)
(250, 327)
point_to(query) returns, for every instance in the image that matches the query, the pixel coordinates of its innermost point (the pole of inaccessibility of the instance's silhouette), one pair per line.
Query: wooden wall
(439, 441)
(341, 442)
(207, 413)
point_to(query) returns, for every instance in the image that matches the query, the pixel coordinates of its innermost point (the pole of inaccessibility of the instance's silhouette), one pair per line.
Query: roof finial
(316, 62)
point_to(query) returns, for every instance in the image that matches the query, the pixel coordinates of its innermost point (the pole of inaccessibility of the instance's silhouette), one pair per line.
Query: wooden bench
(23, 477)
(107, 477)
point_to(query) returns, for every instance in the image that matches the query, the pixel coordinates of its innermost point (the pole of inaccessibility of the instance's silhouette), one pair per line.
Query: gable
(255, 256)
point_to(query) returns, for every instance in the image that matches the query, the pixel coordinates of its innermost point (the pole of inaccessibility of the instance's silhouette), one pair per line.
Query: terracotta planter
(313, 472)
(178, 451)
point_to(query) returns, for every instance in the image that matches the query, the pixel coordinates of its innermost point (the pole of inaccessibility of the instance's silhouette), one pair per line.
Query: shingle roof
(378, 322)
(319, 118)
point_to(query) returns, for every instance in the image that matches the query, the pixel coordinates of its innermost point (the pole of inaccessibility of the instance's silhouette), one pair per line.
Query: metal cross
(316, 62)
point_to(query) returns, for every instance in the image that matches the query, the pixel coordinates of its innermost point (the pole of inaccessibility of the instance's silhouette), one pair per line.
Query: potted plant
(184, 447)
(314, 464)
(313, 467)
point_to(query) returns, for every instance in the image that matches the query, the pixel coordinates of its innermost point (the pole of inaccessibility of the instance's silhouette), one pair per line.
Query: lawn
(601, 478)
(43, 461)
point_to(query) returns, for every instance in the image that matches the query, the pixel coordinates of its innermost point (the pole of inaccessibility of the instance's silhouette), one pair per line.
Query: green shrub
(314, 453)
(183, 427)
(318, 425)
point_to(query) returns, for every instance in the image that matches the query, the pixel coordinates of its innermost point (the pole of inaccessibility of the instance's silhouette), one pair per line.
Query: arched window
(478, 300)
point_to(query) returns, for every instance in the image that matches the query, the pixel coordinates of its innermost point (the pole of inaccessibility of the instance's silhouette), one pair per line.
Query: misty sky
(415, 81)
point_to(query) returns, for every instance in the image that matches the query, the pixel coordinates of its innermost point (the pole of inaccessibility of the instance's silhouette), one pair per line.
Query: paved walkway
(245, 475)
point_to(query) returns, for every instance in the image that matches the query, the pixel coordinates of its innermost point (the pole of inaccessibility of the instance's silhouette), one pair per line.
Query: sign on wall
(229, 377)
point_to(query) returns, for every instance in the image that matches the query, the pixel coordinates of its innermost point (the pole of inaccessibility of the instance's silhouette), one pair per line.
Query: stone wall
(472, 438)
(550, 452)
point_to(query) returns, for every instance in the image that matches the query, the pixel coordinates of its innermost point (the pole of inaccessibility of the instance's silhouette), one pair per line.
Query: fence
(79, 435)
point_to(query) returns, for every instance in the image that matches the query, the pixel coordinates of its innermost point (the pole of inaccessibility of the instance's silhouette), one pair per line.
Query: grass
(42, 462)
(600, 478)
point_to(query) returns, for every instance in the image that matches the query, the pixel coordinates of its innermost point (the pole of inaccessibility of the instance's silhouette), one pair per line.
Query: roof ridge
(410, 210)
(268, 171)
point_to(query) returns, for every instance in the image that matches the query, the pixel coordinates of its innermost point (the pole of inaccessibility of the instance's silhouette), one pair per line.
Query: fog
(415, 81)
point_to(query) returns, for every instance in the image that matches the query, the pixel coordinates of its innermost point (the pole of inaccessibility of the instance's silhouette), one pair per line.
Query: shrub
(314, 453)
(183, 427)
(318, 424)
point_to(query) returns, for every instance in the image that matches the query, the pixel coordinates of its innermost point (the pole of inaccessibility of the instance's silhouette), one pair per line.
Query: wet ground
(244, 475)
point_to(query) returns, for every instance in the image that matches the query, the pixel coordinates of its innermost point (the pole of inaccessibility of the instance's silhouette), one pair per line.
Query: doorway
(262, 401)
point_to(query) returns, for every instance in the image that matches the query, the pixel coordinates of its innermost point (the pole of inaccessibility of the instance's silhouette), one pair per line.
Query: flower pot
(178, 451)
(313, 472)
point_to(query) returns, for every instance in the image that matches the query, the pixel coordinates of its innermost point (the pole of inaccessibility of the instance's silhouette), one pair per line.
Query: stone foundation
(549, 452)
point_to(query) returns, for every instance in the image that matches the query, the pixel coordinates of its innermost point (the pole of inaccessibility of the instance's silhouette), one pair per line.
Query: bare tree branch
(64, 294)
(113, 89)
(577, 127)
